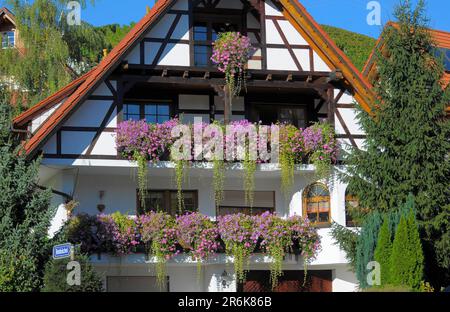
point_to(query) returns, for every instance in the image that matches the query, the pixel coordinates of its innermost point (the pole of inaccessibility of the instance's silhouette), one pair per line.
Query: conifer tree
(383, 252)
(399, 260)
(407, 256)
(407, 144)
(25, 214)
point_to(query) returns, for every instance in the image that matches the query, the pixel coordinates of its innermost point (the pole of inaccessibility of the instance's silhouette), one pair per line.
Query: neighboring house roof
(440, 38)
(294, 12)
(5, 12)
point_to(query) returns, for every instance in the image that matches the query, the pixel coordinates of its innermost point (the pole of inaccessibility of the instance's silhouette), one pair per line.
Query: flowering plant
(305, 236)
(118, 233)
(143, 142)
(276, 240)
(240, 238)
(231, 52)
(197, 234)
(321, 146)
(158, 230)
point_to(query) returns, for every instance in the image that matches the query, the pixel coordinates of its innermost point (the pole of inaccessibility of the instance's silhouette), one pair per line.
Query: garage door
(291, 281)
(133, 284)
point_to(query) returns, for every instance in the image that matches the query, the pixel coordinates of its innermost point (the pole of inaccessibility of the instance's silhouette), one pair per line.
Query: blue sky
(347, 14)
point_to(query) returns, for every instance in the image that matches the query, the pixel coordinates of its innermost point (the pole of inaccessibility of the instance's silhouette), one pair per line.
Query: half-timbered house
(162, 69)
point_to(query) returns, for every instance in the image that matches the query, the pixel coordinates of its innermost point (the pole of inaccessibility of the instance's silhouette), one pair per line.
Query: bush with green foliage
(407, 255)
(55, 276)
(383, 252)
(347, 240)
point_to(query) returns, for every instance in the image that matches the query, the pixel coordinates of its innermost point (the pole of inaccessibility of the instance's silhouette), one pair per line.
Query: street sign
(62, 251)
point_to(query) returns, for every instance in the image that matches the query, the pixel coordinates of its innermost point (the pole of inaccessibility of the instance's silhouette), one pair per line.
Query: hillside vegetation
(357, 47)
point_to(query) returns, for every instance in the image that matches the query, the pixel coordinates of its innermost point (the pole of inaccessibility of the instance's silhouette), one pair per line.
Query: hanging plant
(287, 157)
(231, 52)
(142, 174)
(240, 238)
(322, 148)
(142, 142)
(306, 238)
(218, 180)
(180, 176)
(276, 240)
(198, 237)
(157, 230)
(249, 179)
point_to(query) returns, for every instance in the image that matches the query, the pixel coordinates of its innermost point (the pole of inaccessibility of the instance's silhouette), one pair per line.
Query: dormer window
(8, 39)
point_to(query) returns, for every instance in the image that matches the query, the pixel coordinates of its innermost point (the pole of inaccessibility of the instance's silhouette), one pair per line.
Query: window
(234, 202)
(167, 201)
(8, 39)
(351, 204)
(206, 32)
(444, 54)
(151, 112)
(273, 113)
(316, 203)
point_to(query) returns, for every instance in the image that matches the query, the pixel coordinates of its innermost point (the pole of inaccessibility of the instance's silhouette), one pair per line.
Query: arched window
(316, 204)
(351, 204)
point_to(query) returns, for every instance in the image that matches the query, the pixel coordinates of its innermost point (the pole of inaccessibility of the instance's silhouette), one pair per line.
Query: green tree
(114, 33)
(25, 214)
(366, 244)
(383, 252)
(53, 52)
(55, 277)
(407, 142)
(407, 256)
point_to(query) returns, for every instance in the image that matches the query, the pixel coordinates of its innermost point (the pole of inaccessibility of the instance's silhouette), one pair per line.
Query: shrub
(407, 255)
(383, 252)
(55, 277)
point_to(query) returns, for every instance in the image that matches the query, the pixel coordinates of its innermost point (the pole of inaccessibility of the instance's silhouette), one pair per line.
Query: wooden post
(331, 106)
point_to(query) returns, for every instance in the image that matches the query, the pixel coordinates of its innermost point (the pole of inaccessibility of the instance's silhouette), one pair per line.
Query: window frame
(348, 198)
(258, 106)
(167, 201)
(209, 19)
(318, 199)
(8, 44)
(238, 208)
(143, 103)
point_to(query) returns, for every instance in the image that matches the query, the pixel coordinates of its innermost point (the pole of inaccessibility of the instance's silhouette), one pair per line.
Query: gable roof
(293, 11)
(8, 14)
(440, 38)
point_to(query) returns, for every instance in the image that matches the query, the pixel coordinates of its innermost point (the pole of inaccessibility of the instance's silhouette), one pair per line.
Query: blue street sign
(62, 251)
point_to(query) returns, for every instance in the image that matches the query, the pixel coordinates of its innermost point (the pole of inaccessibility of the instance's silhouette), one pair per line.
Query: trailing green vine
(142, 176)
(180, 176)
(249, 179)
(160, 265)
(218, 180)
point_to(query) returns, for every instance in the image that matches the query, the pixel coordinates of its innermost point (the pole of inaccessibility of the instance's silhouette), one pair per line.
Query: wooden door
(291, 281)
